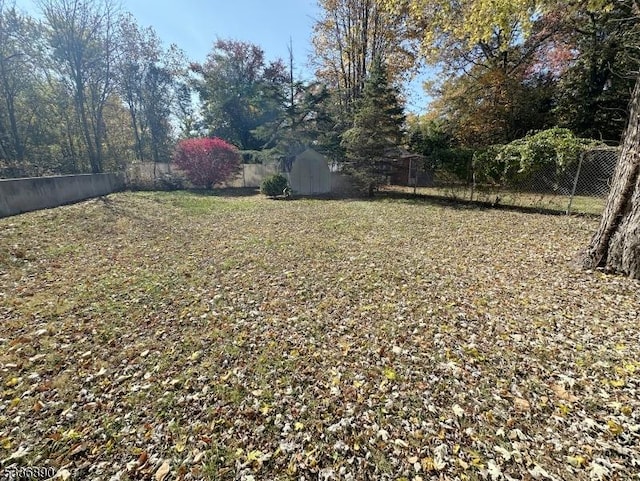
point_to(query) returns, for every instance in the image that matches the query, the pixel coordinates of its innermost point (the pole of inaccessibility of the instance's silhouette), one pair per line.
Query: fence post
(575, 183)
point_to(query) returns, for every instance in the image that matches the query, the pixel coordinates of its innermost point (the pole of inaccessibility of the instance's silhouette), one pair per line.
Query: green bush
(554, 150)
(274, 185)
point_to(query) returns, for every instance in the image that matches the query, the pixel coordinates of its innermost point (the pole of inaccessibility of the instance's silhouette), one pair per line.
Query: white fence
(251, 175)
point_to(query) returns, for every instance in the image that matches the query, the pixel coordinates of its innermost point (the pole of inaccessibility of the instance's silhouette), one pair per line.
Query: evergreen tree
(377, 130)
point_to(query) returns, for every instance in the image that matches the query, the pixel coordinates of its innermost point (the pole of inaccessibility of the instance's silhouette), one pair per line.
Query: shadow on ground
(468, 204)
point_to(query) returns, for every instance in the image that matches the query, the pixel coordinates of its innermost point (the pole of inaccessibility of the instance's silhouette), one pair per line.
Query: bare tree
(82, 37)
(147, 82)
(347, 38)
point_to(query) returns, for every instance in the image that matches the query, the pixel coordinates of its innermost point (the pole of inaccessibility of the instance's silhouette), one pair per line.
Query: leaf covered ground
(178, 336)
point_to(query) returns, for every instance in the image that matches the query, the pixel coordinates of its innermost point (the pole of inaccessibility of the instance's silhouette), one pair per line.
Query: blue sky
(193, 25)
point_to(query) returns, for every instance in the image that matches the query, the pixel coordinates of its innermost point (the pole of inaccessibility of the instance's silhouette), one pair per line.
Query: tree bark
(616, 244)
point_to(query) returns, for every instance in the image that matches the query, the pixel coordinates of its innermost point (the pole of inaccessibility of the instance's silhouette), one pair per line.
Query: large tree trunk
(616, 244)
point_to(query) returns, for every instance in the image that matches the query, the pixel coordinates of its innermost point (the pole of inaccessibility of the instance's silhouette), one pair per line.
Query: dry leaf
(562, 393)
(163, 471)
(521, 404)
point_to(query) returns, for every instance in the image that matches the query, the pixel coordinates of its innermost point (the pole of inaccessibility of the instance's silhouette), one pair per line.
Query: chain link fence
(580, 187)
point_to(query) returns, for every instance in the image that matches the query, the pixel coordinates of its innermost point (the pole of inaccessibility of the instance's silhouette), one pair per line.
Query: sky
(194, 25)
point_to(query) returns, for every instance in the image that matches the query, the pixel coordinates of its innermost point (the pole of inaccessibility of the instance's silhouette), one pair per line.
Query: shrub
(274, 185)
(554, 150)
(207, 161)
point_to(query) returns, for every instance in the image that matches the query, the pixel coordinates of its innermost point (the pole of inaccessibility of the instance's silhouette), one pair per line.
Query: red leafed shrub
(207, 161)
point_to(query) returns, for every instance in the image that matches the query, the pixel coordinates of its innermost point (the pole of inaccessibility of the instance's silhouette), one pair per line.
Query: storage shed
(309, 174)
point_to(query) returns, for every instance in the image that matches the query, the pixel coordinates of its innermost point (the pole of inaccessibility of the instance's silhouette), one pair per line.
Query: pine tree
(376, 131)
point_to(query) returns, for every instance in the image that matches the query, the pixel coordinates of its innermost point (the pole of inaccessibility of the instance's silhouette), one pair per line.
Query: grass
(535, 201)
(185, 336)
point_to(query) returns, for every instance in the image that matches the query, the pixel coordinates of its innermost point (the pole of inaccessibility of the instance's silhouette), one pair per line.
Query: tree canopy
(240, 92)
(84, 89)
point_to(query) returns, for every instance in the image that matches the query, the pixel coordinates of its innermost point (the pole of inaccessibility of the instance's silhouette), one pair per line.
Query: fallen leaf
(163, 471)
(562, 393)
(521, 404)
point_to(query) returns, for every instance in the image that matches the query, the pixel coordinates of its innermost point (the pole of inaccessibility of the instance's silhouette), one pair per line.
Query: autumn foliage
(207, 161)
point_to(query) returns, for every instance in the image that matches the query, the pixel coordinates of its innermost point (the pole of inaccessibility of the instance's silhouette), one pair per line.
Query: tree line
(86, 89)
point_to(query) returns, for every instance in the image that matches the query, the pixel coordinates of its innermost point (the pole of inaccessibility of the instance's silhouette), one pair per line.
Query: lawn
(545, 202)
(179, 336)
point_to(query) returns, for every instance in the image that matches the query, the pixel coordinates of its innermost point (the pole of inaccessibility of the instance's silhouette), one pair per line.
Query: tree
(240, 92)
(376, 131)
(309, 119)
(487, 106)
(490, 93)
(148, 81)
(347, 38)
(595, 87)
(616, 244)
(207, 161)
(82, 36)
(38, 127)
(13, 69)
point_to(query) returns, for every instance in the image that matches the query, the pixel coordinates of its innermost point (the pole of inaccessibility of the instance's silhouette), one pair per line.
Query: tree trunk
(616, 245)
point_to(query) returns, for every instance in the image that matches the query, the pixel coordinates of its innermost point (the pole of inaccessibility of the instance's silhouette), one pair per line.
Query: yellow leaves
(614, 427)
(472, 351)
(577, 461)
(5, 443)
(477, 463)
(254, 455)
(626, 410)
(627, 369)
(617, 382)
(564, 409)
(298, 426)
(14, 381)
(470, 22)
(631, 368)
(389, 373)
(427, 464)
(180, 446)
(71, 435)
